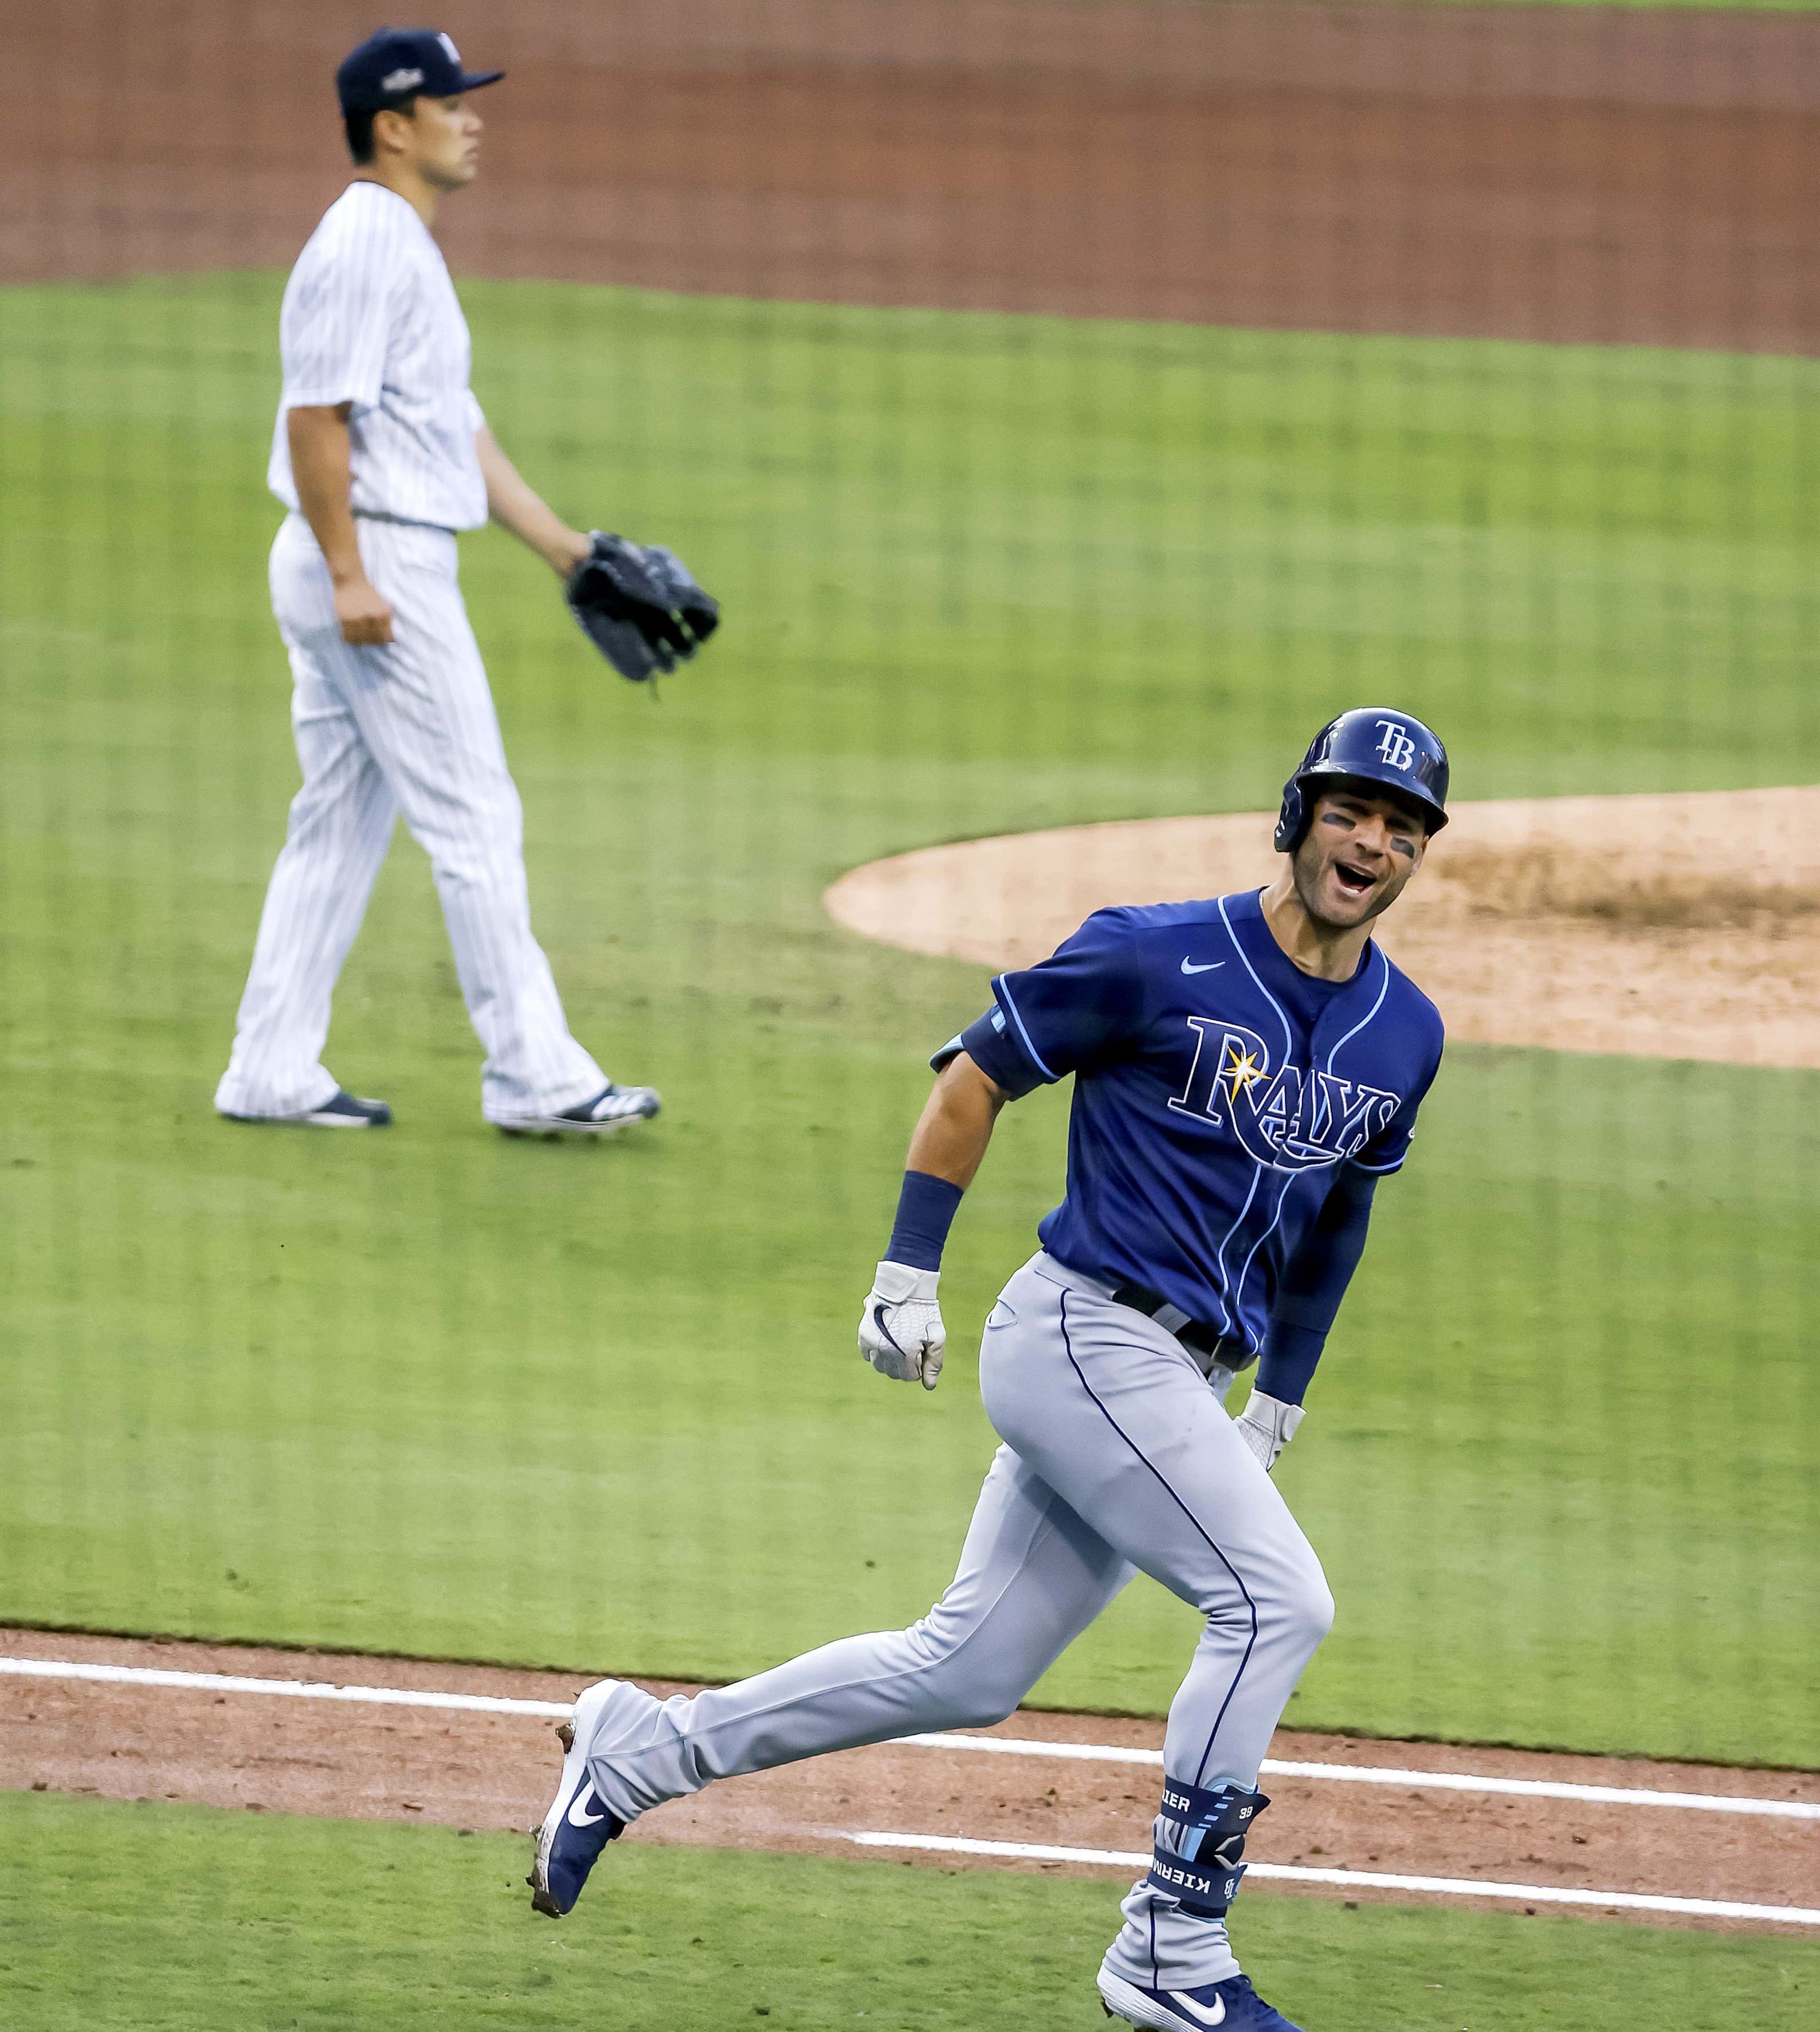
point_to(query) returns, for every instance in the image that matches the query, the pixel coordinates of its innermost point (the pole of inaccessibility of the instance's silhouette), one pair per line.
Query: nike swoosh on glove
(1267, 1426)
(900, 1332)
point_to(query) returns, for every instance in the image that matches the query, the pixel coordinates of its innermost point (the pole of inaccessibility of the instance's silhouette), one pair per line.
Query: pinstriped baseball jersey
(371, 319)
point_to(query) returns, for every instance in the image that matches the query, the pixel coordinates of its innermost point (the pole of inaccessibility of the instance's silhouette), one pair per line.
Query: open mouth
(1354, 881)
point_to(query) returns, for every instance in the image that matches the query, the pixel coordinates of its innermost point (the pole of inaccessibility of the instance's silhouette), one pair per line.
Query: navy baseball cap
(397, 64)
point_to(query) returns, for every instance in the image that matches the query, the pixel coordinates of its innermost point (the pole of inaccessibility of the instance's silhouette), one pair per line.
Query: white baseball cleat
(578, 1826)
(1233, 2005)
(340, 1111)
(613, 1108)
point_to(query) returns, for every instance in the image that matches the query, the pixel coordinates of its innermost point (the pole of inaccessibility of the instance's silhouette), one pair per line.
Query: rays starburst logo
(1242, 1070)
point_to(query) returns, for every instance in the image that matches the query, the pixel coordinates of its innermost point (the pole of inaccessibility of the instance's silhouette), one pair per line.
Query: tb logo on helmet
(1372, 744)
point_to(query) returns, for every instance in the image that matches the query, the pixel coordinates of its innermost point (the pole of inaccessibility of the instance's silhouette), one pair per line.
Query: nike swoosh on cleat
(577, 1816)
(1200, 2015)
(1188, 966)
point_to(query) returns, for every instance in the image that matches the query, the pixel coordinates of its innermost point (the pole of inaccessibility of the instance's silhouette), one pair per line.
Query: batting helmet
(1375, 744)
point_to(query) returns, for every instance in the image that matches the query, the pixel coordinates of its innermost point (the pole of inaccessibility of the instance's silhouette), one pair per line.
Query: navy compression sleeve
(926, 1210)
(1313, 1286)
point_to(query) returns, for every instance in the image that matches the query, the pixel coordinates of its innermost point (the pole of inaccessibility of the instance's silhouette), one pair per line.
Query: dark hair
(360, 125)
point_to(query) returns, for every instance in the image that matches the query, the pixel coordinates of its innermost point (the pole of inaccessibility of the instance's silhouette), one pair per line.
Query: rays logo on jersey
(1289, 1119)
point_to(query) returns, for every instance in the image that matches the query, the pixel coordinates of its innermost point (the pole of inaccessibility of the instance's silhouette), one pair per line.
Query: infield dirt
(1680, 926)
(278, 1754)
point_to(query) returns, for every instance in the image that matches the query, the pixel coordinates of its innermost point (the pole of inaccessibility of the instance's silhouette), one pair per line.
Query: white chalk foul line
(297, 1690)
(1000, 1746)
(1434, 1781)
(1373, 1880)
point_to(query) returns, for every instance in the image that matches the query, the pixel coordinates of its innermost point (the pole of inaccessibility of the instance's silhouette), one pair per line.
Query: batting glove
(1267, 1427)
(900, 1332)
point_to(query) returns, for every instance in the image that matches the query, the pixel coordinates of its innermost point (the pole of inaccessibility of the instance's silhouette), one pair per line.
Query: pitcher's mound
(1684, 926)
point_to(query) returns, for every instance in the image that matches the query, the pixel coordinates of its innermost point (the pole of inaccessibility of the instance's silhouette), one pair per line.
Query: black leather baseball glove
(639, 606)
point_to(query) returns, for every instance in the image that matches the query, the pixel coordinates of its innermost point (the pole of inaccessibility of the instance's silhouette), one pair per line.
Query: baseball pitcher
(1245, 1070)
(382, 454)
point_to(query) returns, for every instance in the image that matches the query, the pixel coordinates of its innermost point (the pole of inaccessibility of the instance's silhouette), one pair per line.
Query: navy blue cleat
(340, 1111)
(1233, 2004)
(578, 1826)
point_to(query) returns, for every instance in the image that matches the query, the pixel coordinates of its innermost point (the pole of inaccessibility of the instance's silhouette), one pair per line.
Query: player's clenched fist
(900, 1332)
(1267, 1426)
(364, 613)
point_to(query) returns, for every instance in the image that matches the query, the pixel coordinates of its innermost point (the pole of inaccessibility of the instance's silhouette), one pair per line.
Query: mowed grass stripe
(163, 1919)
(439, 1394)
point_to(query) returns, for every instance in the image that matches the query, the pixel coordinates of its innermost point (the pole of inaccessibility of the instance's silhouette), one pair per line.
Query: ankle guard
(1199, 1839)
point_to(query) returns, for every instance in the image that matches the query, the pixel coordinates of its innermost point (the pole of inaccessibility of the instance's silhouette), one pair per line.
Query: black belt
(1224, 1348)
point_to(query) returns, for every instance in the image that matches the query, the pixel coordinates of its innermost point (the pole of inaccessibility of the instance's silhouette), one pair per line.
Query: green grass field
(440, 1393)
(223, 1918)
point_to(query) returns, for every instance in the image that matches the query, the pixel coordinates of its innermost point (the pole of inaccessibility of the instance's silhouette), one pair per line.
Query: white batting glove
(1267, 1426)
(900, 1332)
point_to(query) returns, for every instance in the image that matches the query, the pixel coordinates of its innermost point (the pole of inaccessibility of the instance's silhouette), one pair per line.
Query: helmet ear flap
(1291, 820)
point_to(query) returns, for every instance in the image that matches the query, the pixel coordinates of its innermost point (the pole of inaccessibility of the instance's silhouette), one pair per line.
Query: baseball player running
(381, 455)
(1246, 1070)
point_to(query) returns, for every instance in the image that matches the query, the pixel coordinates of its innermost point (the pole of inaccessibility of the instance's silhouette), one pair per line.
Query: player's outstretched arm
(900, 1332)
(517, 505)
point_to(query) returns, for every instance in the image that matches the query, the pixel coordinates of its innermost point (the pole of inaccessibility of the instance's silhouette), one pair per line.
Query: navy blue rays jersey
(1218, 1090)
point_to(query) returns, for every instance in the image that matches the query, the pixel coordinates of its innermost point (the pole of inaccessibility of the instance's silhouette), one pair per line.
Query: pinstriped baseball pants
(1118, 1459)
(407, 728)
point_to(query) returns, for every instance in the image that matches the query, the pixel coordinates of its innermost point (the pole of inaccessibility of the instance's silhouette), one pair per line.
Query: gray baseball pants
(1118, 1457)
